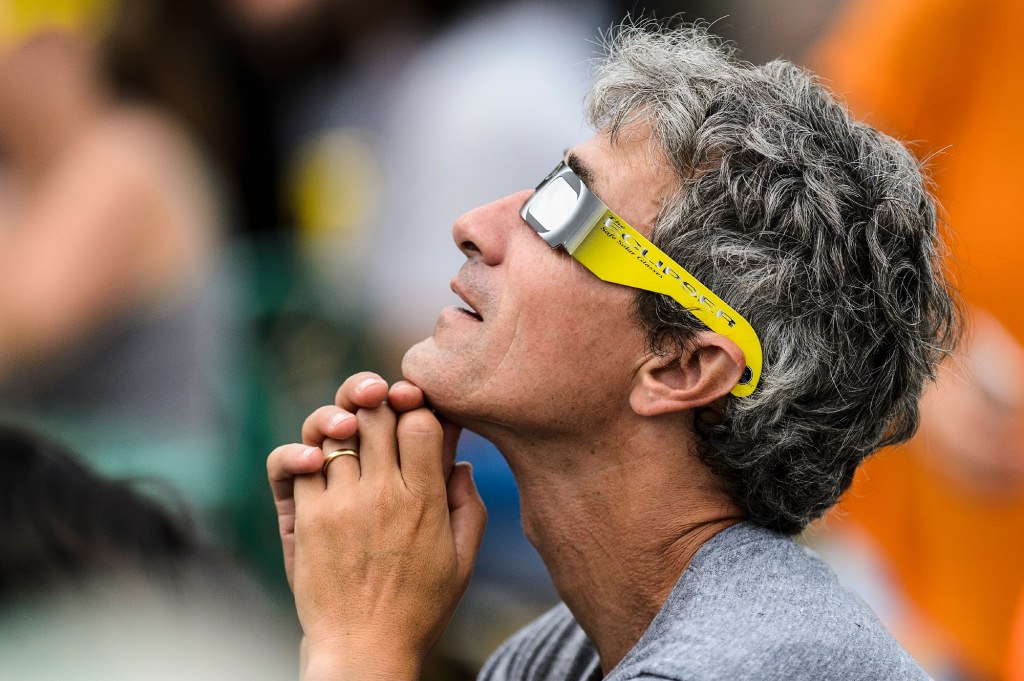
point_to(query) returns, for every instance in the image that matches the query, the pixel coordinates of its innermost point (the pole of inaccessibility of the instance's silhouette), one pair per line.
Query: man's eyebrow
(582, 171)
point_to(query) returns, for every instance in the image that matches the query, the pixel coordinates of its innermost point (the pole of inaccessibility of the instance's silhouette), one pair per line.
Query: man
(664, 444)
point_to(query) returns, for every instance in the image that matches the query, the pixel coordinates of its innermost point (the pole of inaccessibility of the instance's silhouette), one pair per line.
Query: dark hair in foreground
(818, 229)
(60, 522)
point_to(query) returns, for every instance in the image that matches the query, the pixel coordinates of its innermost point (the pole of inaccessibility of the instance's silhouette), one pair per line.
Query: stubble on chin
(415, 363)
(426, 366)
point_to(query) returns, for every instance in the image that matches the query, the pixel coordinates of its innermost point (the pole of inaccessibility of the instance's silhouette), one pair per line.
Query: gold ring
(335, 454)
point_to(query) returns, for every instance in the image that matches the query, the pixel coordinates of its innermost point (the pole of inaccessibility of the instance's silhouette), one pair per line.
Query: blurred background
(212, 212)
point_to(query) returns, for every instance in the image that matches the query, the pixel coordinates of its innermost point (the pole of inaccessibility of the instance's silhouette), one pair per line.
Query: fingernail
(338, 419)
(367, 383)
(308, 452)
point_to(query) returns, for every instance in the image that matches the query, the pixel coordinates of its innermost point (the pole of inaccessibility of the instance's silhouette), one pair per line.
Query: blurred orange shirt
(1015, 671)
(947, 76)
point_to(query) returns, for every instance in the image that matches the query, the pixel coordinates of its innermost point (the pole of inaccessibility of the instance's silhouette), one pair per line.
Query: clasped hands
(378, 548)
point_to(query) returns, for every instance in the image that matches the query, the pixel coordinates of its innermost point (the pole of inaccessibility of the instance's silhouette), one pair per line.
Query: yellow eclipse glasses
(566, 214)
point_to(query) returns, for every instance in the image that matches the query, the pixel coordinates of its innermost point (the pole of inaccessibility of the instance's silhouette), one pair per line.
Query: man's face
(541, 343)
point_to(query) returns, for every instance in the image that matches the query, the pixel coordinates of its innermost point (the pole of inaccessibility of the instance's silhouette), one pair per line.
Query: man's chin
(412, 361)
(423, 367)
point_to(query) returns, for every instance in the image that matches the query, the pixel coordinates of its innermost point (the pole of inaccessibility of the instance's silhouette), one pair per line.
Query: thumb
(468, 517)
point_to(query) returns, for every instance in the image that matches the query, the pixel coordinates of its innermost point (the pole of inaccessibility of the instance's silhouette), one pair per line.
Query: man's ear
(706, 369)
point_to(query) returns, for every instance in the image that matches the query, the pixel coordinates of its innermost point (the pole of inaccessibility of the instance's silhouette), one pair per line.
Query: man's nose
(485, 232)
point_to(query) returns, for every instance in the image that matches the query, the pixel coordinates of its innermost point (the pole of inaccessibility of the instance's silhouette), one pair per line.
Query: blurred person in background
(111, 223)
(761, 30)
(1015, 658)
(62, 522)
(944, 516)
(100, 581)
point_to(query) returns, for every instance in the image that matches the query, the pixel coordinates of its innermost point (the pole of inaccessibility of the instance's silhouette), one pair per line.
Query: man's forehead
(630, 173)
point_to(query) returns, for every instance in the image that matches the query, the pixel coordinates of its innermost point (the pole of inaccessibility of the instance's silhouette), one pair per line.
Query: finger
(420, 440)
(363, 390)
(404, 396)
(378, 451)
(307, 487)
(328, 421)
(468, 517)
(341, 470)
(452, 433)
(285, 463)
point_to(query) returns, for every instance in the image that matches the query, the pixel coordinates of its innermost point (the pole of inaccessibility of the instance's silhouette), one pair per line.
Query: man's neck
(617, 523)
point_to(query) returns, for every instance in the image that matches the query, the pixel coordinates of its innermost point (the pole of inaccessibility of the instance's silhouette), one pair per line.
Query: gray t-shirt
(751, 605)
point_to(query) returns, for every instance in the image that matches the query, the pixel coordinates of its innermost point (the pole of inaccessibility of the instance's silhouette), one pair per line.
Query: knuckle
(311, 521)
(279, 455)
(272, 460)
(383, 499)
(341, 395)
(347, 389)
(324, 519)
(320, 412)
(382, 417)
(419, 423)
(314, 420)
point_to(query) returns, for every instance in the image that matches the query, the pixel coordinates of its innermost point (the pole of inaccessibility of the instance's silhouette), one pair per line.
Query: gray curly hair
(818, 229)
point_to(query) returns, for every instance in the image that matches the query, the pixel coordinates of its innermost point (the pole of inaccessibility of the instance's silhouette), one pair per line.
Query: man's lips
(469, 309)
